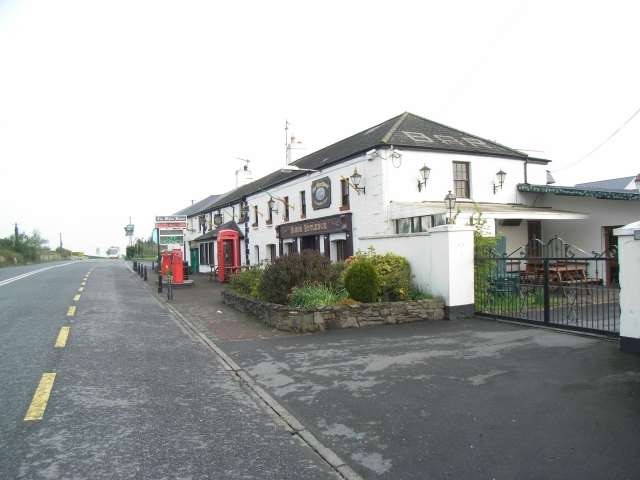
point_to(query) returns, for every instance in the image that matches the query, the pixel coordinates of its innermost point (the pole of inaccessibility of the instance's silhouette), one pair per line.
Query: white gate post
(629, 261)
(452, 269)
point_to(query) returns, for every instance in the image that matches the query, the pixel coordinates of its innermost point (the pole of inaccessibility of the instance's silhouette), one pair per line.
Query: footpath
(201, 303)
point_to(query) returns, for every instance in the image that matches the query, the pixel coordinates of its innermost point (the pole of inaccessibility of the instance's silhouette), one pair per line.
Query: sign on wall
(321, 193)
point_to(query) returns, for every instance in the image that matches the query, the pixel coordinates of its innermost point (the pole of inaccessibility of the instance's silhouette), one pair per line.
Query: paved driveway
(463, 399)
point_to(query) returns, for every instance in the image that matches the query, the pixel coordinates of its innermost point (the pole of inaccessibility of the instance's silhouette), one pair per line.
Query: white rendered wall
(629, 259)
(441, 261)
(587, 234)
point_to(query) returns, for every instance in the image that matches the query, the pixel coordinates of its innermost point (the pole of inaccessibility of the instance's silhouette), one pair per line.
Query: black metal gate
(554, 284)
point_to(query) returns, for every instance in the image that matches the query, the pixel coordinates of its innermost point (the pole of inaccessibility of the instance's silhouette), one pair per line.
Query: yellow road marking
(81, 289)
(40, 398)
(62, 338)
(76, 298)
(71, 312)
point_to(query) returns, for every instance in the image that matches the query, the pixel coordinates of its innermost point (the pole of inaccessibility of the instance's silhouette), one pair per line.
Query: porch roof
(489, 210)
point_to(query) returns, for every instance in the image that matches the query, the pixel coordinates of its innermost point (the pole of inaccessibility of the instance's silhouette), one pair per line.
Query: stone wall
(318, 319)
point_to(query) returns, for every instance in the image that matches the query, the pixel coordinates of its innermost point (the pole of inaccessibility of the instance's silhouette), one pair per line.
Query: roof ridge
(395, 126)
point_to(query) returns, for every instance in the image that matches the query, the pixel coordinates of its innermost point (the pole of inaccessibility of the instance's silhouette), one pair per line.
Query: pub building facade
(383, 187)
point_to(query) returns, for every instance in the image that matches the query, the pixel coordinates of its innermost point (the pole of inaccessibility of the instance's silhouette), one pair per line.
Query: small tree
(362, 281)
(482, 244)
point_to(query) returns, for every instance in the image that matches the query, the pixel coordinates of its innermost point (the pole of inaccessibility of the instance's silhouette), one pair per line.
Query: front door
(195, 260)
(612, 267)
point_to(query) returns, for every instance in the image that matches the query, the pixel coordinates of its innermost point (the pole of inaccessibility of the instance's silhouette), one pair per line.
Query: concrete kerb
(291, 423)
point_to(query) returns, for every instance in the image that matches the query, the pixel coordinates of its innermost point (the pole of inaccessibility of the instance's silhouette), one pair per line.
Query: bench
(214, 272)
(504, 285)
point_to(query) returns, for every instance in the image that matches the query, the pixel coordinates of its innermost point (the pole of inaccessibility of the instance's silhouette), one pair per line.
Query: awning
(488, 210)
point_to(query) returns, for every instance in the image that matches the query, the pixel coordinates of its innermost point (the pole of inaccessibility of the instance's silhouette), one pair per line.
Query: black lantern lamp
(424, 174)
(355, 180)
(450, 203)
(272, 205)
(500, 176)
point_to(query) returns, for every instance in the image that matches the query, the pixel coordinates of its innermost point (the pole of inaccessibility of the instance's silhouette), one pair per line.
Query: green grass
(315, 296)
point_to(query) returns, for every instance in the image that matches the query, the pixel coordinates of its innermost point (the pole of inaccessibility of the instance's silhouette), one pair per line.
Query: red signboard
(171, 224)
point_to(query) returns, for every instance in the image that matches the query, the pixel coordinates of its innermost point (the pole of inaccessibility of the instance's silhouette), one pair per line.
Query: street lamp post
(450, 203)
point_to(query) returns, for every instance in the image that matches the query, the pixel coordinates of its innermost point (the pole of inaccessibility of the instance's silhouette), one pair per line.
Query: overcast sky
(111, 110)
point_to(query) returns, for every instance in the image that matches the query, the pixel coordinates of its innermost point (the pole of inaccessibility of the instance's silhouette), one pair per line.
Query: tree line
(21, 248)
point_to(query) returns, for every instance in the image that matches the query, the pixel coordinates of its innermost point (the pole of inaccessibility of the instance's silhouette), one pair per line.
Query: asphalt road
(135, 395)
(463, 399)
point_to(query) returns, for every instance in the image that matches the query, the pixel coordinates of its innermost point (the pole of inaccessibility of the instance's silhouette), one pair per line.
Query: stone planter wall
(310, 320)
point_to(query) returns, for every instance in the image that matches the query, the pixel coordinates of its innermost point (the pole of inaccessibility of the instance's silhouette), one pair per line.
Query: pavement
(470, 398)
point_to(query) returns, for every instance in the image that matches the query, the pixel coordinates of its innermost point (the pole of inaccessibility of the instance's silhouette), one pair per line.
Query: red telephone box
(178, 269)
(228, 254)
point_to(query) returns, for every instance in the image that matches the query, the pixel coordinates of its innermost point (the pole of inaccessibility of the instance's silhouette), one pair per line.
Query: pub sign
(321, 193)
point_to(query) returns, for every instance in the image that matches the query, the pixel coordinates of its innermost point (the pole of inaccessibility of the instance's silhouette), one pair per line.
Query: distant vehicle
(113, 252)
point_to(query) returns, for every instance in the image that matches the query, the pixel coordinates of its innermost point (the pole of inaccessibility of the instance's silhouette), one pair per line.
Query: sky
(118, 111)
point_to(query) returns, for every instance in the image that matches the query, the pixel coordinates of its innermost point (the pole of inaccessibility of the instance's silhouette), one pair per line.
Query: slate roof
(199, 206)
(213, 234)
(406, 131)
(613, 185)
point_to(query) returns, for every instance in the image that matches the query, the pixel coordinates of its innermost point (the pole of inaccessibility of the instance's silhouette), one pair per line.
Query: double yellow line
(41, 397)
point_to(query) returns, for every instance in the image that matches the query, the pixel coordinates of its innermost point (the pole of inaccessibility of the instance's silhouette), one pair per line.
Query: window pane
(403, 225)
(437, 220)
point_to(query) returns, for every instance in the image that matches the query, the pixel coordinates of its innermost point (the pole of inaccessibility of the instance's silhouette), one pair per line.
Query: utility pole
(60, 241)
(15, 240)
(286, 139)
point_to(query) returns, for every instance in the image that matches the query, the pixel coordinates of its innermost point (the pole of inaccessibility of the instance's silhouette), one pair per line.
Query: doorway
(612, 268)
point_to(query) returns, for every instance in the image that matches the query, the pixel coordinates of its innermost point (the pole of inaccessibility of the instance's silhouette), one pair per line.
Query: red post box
(178, 269)
(166, 263)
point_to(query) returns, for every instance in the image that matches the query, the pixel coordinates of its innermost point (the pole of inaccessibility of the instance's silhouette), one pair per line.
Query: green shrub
(246, 282)
(417, 293)
(362, 281)
(315, 295)
(294, 270)
(395, 276)
(394, 271)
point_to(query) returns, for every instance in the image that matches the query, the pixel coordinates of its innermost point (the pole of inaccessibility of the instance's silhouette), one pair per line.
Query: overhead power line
(594, 150)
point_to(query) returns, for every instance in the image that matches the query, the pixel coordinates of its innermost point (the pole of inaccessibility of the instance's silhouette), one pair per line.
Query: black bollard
(145, 273)
(160, 283)
(141, 269)
(135, 265)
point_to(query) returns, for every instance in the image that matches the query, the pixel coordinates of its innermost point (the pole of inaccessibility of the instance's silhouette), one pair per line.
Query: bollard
(135, 265)
(153, 264)
(141, 269)
(145, 273)
(160, 282)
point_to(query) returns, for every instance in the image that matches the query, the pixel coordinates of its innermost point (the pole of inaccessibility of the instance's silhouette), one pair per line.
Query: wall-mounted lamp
(500, 176)
(637, 181)
(424, 174)
(450, 203)
(272, 205)
(355, 180)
